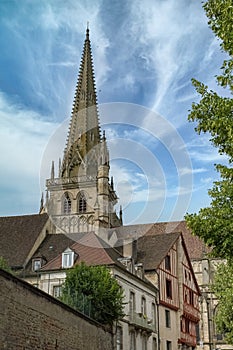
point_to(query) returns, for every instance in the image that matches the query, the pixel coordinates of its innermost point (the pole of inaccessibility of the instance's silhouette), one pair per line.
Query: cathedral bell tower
(81, 198)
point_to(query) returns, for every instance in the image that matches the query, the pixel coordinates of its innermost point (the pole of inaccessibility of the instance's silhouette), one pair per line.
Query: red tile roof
(89, 249)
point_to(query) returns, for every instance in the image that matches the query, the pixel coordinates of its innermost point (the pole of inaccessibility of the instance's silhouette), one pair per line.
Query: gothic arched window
(66, 204)
(82, 203)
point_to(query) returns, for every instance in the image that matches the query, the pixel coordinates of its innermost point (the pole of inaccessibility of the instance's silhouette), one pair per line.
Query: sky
(145, 54)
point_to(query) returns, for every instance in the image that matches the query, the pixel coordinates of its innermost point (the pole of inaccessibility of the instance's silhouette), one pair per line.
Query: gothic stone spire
(84, 130)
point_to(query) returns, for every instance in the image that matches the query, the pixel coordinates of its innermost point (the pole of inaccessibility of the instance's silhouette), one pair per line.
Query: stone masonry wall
(31, 319)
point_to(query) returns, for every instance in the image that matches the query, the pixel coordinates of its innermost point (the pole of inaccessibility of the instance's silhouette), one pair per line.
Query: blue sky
(145, 54)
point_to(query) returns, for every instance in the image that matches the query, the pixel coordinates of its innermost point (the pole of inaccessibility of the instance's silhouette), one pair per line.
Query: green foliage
(214, 115)
(93, 291)
(220, 14)
(4, 265)
(222, 287)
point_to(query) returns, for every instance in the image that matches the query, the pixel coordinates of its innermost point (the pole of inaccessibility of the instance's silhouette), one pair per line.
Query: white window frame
(36, 264)
(57, 291)
(67, 259)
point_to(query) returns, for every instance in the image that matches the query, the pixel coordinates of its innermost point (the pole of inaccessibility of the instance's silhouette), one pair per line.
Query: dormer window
(36, 264)
(67, 258)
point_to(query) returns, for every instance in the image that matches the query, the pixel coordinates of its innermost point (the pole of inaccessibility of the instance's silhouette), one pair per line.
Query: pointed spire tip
(87, 31)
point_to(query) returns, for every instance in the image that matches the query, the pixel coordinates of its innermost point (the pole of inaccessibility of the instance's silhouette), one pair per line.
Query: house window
(66, 204)
(187, 326)
(119, 339)
(186, 296)
(82, 203)
(57, 291)
(168, 345)
(153, 313)
(143, 306)
(67, 258)
(132, 341)
(131, 303)
(167, 319)
(169, 288)
(168, 263)
(36, 264)
(191, 297)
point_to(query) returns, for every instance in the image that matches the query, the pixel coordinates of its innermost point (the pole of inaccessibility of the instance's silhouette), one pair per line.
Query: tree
(214, 115)
(222, 288)
(95, 292)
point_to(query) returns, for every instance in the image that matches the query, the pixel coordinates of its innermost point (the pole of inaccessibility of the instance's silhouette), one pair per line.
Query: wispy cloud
(22, 143)
(201, 150)
(186, 170)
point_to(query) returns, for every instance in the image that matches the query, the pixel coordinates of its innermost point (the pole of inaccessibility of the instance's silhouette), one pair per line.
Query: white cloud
(186, 171)
(24, 134)
(207, 180)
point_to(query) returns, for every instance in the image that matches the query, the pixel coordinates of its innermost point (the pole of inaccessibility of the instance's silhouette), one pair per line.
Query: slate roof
(153, 249)
(18, 235)
(90, 249)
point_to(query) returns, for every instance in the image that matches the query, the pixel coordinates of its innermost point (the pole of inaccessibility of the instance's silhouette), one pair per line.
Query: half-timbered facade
(166, 264)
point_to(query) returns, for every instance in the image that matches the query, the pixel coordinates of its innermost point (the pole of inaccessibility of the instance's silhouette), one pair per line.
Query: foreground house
(47, 271)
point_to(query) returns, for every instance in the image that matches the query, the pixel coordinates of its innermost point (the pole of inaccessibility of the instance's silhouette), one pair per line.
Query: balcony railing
(70, 180)
(142, 321)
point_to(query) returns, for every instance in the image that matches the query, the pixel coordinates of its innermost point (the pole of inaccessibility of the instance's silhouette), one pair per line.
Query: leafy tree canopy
(222, 288)
(95, 292)
(214, 114)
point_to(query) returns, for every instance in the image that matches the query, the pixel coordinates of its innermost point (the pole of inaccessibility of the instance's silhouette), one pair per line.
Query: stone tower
(82, 199)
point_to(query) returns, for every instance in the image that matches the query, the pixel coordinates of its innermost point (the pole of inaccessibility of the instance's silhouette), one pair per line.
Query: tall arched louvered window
(66, 204)
(82, 203)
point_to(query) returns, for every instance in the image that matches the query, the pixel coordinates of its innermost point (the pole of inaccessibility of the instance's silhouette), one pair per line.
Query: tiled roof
(195, 246)
(18, 235)
(153, 249)
(52, 246)
(90, 249)
(131, 231)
